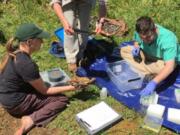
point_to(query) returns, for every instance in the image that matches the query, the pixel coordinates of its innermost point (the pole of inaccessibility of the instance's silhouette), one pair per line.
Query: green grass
(164, 12)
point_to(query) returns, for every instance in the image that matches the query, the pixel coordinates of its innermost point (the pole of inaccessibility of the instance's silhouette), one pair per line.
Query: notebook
(97, 117)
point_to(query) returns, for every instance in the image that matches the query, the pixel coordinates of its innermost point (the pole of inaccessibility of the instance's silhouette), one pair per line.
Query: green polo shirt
(165, 46)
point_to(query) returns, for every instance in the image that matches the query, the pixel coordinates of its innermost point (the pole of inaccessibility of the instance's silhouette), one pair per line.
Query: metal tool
(84, 31)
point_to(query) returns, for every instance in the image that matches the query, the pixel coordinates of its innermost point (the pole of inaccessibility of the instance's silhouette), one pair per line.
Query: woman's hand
(40, 86)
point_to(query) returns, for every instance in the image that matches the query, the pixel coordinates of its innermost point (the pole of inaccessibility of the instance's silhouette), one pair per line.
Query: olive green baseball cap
(29, 31)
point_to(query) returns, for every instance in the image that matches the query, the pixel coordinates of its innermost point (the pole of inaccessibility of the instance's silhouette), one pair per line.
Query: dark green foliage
(2, 37)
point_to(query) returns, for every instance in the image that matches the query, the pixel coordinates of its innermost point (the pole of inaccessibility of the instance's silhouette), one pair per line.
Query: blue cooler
(60, 34)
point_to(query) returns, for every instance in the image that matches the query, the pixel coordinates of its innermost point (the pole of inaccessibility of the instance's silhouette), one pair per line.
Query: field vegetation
(15, 12)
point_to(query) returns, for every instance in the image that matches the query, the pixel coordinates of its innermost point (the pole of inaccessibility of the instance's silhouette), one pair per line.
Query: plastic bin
(60, 34)
(152, 123)
(124, 76)
(62, 81)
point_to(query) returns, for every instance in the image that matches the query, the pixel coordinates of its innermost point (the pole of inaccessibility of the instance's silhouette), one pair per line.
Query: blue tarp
(57, 49)
(131, 98)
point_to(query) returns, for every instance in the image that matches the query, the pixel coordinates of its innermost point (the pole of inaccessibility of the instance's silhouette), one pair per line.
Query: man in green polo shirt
(158, 48)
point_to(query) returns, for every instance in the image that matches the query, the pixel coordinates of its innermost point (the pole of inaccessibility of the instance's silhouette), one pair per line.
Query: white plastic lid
(104, 88)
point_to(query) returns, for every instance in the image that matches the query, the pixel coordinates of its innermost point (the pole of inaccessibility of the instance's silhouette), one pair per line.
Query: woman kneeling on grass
(22, 91)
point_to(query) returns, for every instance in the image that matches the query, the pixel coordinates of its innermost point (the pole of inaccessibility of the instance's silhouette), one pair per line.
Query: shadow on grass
(109, 126)
(85, 95)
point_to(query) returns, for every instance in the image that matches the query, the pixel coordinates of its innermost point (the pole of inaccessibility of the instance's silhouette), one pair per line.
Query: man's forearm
(165, 72)
(59, 12)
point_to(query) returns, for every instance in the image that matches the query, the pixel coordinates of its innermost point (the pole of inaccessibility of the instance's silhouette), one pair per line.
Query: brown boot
(72, 67)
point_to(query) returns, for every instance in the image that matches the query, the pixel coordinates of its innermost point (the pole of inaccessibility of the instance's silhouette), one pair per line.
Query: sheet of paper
(98, 115)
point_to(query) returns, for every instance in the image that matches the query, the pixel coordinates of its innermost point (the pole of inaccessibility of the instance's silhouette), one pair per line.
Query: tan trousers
(146, 66)
(78, 15)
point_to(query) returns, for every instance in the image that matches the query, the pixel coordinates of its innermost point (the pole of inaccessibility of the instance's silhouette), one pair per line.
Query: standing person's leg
(71, 48)
(84, 11)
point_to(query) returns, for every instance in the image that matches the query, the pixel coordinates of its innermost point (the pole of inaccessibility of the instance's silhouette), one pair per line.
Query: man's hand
(135, 51)
(67, 28)
(149, 89)
(99, 24)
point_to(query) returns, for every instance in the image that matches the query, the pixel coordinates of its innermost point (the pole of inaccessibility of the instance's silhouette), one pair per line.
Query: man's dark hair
(145, 25)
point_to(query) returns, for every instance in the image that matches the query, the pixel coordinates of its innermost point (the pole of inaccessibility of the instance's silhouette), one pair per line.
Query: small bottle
(103, 93)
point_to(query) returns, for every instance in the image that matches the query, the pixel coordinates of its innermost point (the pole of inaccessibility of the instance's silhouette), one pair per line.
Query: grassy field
(164, 12)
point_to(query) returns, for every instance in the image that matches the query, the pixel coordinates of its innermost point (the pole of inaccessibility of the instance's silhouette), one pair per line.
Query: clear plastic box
(150, 99)
(152, 123)
(124, 76)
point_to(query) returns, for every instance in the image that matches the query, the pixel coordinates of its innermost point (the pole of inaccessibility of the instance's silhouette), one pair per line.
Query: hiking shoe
(72, 67)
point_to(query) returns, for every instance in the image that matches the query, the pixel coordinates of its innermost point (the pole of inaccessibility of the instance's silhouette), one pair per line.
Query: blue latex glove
(135, 51)
(149, 89)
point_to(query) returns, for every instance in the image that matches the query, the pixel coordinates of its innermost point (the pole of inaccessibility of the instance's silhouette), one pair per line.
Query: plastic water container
(152, 123)
(174, 115)
(103, 93)
(156, 110)
(154, 117)
(124, 76)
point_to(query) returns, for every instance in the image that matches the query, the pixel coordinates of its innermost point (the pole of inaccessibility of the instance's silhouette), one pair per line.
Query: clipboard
(97, 118)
